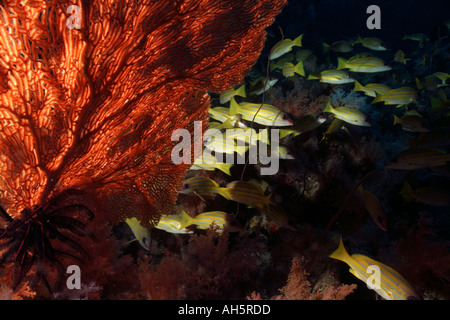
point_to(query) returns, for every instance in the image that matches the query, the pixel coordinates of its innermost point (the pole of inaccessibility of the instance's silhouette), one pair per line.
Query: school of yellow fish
(237, 110)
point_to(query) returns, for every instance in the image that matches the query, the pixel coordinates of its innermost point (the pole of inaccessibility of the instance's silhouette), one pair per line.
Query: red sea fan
(93, 107)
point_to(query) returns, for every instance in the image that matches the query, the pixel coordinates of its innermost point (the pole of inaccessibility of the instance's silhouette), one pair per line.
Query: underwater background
(285, 254)
(363, 179)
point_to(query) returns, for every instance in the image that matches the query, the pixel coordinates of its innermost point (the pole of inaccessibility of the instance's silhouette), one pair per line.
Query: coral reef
(103, 101)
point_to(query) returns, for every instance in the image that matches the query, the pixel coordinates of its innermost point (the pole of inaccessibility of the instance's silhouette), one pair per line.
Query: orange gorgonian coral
(93, 108)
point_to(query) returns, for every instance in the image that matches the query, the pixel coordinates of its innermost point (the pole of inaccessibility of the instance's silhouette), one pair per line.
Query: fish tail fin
(361, 189)
(328, 108)
(284, 133)
(326, 47)
(406, 192)
(273, 66)
(378, 98)
(225, 168)
(234, 106)
(241, 91)
(419, 84)
(397, 120)
(340, 253)
(263, 136)
(342, 63)
(186, 220)
(267, 200)
(298, 41)
(299, 68)
(358, 86)
(131, 241)
(313, 77)
(436, 104)
(224, 192)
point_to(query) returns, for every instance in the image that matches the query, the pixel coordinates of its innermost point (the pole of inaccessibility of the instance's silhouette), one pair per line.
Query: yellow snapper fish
(430, 83)
(419, 37)
(257, 87)
(338, 46)
(349, 115)
(289, 69)
(172, 224)
(444, 77)
(302, 55)
(279, 63)
(220, 125)
(142, 234)
(399, 96)
(304, 124)
(249, 133)
(417, 158)
(222, 114)
(225, 96)
(266, 115)
(372, 89)
(435, 196)
(333, 77)
(430, 140)
(411, 122)
(222, 144)
(334, 126)
(400, 57)
(283, 153)
(206, 220)
(374, 207)
(371, 43)
(284, 46)
(392, 285)
(277, 215)
(247, 193)
(201, 186)
(365, 64)
(209, 162)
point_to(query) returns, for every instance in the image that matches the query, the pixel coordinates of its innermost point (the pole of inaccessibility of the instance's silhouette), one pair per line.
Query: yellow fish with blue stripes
(266, 114)
(142, 234)
(372, 43)
(172, 224)
(205, 220)
(399, 96)
(284, 46)
(384, 280)
(247, 133)
(209, 162)
(289, 69)
(201, 186)
(417, 158)
(222, 114)
(247, 193)
(333, 77)
(223, 144)
(349, 115)
(364, 64)
(305, 124)
(372, 89)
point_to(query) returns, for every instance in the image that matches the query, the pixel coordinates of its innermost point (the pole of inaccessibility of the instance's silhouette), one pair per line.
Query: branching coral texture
(94, 108)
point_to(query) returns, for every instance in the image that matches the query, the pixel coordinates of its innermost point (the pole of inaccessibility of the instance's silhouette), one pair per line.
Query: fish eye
(284, 116)
(146, 241)
(186, 185)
